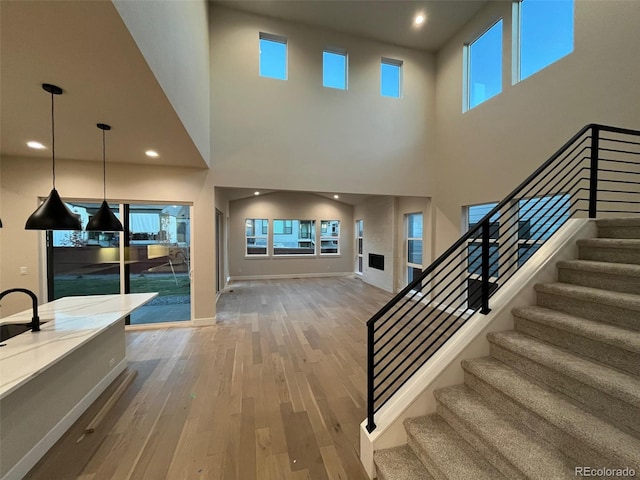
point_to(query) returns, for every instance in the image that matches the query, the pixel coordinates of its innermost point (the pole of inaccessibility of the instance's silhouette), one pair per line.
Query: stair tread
(603, 332)
(526, 453)
(628, 301)
(621, 243)
(400, 463)
(595, 266)
(556, 410)
(620, 385)
(448, 451)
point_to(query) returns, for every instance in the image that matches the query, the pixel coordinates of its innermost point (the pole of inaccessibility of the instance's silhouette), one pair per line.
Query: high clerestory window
(273, 56)
(334, 68)
(390, 77)
(543, 34)
(483, 67)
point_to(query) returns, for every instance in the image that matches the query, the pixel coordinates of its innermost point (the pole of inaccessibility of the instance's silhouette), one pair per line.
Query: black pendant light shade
(104, 219)
(53, 214)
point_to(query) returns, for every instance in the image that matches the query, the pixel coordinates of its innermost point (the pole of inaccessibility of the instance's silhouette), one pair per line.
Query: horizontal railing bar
(609, 128)
(614, 150)
(612, 160)
(618, 140)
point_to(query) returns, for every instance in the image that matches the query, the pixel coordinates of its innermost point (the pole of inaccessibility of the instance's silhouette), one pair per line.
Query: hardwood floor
(276, 390)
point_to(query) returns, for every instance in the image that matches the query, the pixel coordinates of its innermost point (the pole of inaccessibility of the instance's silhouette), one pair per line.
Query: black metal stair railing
(596, 172)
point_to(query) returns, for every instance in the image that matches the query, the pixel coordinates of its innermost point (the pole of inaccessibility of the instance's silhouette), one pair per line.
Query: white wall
(298, 135)
(173, 37)
(26, 179)
(486, 152)
(289, 205)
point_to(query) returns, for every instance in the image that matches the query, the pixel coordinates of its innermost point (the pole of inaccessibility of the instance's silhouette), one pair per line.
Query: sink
(9, 330)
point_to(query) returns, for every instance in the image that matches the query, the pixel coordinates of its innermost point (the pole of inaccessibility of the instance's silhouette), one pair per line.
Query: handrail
(558, 188)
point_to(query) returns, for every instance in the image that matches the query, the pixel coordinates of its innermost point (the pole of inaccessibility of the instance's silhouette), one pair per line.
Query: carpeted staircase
(560, 391)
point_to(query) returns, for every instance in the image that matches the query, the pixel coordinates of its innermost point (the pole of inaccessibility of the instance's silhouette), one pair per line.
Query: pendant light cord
(104, 168)
(53, 142)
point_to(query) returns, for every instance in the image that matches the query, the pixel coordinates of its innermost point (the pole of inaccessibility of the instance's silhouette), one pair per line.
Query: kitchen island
(49, 378)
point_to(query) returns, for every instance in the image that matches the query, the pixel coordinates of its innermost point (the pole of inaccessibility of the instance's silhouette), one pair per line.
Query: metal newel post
(593, 180)
(370, 423)
(485, 267)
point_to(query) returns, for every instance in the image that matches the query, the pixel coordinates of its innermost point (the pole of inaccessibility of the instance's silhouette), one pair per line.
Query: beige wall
(26, 179)
(298, 135)
(173, 37)
(384, 234)
(379, 231)
(486, 152)
(289, 205)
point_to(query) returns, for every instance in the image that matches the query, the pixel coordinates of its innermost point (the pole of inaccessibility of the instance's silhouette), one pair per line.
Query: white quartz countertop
(70, 323)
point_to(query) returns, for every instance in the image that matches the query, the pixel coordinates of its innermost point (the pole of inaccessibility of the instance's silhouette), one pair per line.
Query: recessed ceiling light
(151, 153)
(336, 196)
(419, 20)
(256, 193)
(36, 145)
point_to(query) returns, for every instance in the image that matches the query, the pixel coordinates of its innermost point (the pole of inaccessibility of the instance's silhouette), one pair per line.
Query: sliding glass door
(159, 261)
(83, 263)
(154, 257)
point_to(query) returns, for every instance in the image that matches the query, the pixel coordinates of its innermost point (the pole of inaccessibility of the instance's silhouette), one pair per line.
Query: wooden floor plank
(274, 391)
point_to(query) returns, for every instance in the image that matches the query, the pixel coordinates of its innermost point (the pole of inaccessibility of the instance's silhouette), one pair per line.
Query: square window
(484, 67)
(545, 34)
(334, 69)
(273, 56)
(390, 77)
(294, 237)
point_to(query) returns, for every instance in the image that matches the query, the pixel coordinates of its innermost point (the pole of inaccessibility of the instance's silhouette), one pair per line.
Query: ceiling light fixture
(336, 196)
(256, 193)
(419, 19)
(36, 145)
(104, 220)
(151, 153)
(53, 214)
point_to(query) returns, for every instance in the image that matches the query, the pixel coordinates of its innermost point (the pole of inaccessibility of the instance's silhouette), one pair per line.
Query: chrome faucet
(35, 321)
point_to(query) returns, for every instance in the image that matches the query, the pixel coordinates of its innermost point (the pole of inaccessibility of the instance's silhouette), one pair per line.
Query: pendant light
(104, 219)
(53, 214)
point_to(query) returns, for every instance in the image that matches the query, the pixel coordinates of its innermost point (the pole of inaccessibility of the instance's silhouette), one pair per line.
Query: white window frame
(342, 52)
(255, 236)
(408, 264)
(270, 37)
(325, 237)
(466, 64)
(359, 228)
(516, 45)
(396, 63)
(312, 239)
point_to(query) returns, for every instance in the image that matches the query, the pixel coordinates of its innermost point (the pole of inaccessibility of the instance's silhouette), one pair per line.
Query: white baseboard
(22, 467)
(203, 322)
(291, 275)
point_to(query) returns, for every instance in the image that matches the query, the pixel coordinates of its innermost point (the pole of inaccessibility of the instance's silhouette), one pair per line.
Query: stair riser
(466, 432)
(603, 281)
(425, 459)
(590, 310)
(618, 232)
(575, 448)
(619, 413)
(611, 255)
(583, 346)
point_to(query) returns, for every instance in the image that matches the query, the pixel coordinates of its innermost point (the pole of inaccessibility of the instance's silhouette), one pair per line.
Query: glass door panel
(159, 261)
(83, 263)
